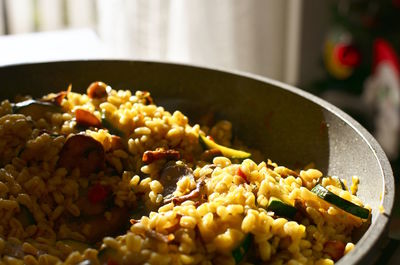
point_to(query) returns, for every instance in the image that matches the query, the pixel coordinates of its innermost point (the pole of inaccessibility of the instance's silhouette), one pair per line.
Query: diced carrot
(242, 174)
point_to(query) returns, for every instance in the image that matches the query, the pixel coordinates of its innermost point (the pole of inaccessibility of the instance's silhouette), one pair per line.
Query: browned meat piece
(146, 95)
(154, 234)
(100, 226)
(194, 194)
(160, 237)
(209, 154)
(57, 98)
(181, 170)
(116, 143)
(86, 118)
(171, 174)
(176, 226)
(335, 249)
(83, 152)
(160, 153)
(97, 90)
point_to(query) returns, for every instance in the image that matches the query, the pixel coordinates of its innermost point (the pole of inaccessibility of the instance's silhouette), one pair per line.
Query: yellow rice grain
(224, 205)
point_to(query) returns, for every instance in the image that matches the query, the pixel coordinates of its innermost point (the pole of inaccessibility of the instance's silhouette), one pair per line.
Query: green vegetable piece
(76, 245)
(25, 216)
(226, 151)
(340, 182)
(35, 108)
(106, 123)
(239, 252)
(281, 208)
(341, 203)
(108, 255)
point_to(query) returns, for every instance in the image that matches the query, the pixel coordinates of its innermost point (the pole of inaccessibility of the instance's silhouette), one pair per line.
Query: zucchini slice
(76, 245)
(84, 152)
(239, 252)
(109, 256)
(226, 151)
(25, 216)
(281, 208)
(110, 126)
(341, 203)
(340, 182)
(35, 108)
(336, 181)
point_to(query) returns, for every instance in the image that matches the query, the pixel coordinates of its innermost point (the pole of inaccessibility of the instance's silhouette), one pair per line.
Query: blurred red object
(383, 52)
(348, 54)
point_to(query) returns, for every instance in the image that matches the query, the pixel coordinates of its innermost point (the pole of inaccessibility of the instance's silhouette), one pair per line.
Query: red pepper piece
(85, 118)
(210, 137)
(97, 193)
(242, 174)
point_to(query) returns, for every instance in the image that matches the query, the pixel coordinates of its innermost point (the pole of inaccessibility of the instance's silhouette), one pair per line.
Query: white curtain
(253, 35)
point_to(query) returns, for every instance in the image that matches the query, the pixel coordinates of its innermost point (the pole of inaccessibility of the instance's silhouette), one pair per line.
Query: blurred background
(345, 51)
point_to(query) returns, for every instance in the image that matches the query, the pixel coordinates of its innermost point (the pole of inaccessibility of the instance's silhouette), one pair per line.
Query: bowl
(288, 125)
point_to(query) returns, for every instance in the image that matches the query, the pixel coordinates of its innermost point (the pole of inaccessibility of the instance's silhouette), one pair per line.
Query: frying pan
(286, 124)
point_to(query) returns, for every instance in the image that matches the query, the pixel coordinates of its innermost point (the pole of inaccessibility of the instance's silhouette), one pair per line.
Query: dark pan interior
(287, 125)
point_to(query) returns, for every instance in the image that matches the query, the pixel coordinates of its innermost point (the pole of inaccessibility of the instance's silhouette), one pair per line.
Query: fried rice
(108, 177)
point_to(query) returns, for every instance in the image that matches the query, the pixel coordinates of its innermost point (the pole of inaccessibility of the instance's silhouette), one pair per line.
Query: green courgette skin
(340, 182)
(106, 123)
(281, 208)
(25, 216)
(341, 203)
(35, 108)
(239, 252)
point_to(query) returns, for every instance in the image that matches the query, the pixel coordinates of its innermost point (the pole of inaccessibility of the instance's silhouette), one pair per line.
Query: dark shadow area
(284, 126)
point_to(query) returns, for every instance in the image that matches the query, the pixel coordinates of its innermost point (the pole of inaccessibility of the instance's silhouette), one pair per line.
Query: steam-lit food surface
(108, 177)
